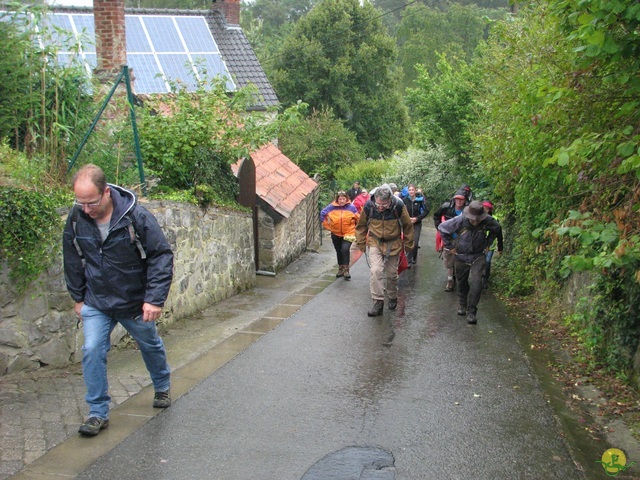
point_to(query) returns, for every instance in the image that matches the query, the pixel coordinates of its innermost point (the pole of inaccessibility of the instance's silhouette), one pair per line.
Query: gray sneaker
(161, 400)
(92, 426)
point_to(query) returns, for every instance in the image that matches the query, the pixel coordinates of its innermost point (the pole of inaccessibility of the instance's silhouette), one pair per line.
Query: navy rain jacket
(116, 280)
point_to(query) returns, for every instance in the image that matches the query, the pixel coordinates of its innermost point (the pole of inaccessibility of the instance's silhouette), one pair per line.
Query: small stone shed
(286, 215)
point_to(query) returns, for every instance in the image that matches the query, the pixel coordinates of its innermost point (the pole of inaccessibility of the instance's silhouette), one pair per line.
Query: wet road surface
(331, 393)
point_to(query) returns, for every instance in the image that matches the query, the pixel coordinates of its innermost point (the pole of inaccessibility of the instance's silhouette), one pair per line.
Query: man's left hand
(150, 313)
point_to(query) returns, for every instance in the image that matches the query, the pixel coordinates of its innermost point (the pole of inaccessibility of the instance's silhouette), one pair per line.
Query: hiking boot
(340, 271)
(376, 310)
(449, 286)
(92, 426)
(462, 310)
(471, 318)
(161, 400)
(345, 271)
(393, 303)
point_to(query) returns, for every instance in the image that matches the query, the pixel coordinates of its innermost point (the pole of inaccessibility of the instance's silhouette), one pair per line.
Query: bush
(29, 225)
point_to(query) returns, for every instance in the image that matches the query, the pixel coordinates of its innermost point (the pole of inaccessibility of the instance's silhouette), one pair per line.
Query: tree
(426, 33)
(339, 57)
(443, 107)
(268, 22)
(320, 144)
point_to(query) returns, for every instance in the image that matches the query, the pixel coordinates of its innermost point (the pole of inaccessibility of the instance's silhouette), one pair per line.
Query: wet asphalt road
(331, 393)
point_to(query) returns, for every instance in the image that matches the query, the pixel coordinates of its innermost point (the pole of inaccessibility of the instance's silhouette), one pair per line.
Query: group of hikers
(388, 221)
(118, 265)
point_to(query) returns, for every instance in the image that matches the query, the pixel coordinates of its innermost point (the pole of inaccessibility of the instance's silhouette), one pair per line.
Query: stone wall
(283, 241)
(213, 260)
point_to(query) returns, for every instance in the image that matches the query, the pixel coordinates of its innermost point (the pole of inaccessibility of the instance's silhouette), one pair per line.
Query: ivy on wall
(29, 225)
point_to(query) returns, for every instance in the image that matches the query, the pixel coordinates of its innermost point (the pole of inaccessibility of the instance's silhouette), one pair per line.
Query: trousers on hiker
(384, 274)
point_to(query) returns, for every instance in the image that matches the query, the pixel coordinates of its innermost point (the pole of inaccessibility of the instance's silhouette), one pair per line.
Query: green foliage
(339, 57)
(29, 224)
(427, 33)
(14, 76)
(320, 144)
(43, 104)
(432, 169)
(368, 172)
(607, 323)
(197, 133)
(443, 106)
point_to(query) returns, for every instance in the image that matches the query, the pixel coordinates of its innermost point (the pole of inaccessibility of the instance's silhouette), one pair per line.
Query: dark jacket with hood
(448, 208)
(115, 279)
(468, 241)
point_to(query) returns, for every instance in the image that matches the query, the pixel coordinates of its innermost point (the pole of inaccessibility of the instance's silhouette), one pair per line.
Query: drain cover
(354, 463)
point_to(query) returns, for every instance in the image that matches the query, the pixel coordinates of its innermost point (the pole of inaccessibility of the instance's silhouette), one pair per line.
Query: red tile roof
(279, 181)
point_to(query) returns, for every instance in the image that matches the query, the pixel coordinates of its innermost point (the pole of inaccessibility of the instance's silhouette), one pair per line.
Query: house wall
(282, 242)
(213, 260)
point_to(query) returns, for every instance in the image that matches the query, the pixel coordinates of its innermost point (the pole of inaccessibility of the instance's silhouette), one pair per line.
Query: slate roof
(234, 47)
(240, 58)
(279, 182)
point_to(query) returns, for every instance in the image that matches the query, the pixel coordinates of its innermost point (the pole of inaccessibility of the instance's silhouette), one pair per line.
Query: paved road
(293, 381)
(417, 392)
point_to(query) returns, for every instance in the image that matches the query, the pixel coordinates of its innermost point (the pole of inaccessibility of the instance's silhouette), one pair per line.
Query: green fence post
(134, 127)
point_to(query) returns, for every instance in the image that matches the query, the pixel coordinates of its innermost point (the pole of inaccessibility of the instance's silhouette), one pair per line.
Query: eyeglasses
(383, 205)
(88, 204)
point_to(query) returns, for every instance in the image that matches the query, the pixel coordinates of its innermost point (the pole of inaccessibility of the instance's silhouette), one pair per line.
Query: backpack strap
(135, 238)
(75, 213)
(133, 234)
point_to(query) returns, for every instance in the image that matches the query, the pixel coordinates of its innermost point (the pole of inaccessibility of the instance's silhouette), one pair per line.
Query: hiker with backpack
(418, 210)
(118, 268)
(448, 210)
(386, 228)
(467, 238)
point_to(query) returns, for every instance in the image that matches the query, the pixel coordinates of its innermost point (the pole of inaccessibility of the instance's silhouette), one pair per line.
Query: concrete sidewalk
(40, 411)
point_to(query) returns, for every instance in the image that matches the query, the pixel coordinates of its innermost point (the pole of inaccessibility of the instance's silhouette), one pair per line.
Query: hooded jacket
(468, 241)
(339, 220)
(448, 208)
(115, 279)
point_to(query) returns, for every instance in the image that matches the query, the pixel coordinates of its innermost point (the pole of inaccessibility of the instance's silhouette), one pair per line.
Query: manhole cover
(354, 463)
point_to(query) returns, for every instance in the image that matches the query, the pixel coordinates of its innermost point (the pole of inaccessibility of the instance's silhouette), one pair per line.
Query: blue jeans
(97, 327)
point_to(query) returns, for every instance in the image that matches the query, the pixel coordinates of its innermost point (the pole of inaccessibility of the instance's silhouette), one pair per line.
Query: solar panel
(137, 40)
(147, 78)
(161, 49)
(195, 35)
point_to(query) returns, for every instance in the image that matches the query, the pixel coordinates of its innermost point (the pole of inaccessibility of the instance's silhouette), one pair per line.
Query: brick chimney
(230, 10)
(111, 40)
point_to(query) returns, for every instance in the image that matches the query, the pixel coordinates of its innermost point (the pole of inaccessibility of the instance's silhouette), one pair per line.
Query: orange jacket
(339, 220)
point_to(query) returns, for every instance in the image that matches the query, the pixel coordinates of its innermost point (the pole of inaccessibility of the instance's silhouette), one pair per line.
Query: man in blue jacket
(118, 268)
(468, 237)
